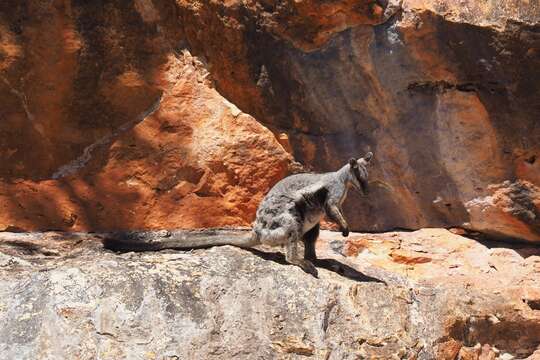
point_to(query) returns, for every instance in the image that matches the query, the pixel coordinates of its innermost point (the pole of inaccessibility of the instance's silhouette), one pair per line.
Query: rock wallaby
(289, 213)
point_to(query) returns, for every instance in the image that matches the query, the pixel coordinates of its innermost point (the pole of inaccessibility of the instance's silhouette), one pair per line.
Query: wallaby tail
(177, 239)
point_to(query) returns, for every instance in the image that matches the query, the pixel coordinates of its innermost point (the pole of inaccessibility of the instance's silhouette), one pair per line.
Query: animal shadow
(328, 264)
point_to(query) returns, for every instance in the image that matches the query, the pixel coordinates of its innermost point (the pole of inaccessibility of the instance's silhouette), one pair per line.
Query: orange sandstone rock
(151, 113)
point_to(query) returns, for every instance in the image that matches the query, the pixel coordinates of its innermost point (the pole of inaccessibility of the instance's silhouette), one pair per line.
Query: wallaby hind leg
(309, 240)
(292, 255)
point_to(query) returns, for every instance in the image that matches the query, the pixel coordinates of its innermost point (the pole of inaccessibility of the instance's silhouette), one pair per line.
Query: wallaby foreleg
(334, 213)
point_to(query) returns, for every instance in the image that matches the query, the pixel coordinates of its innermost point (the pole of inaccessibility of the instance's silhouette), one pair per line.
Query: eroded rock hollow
(182, 114)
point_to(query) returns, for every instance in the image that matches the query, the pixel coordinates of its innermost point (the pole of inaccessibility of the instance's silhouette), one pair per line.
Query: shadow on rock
(522, 248)
(328, 264)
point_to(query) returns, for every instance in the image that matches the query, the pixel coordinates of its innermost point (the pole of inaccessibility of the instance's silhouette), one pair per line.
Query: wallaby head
(359, 174)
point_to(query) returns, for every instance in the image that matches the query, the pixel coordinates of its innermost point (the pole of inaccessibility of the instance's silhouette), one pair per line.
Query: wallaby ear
(353, 163)
(368, 156)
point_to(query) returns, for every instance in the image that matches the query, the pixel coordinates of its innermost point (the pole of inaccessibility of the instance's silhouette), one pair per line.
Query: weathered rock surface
(444, 296)
(436, 92)
(121, 115)
(138, 124)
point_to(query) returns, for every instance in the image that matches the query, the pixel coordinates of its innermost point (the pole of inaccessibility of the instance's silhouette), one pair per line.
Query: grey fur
(289, 213)
(292, 210)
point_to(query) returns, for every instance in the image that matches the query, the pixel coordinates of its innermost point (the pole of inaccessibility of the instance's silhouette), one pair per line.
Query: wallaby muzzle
(360, 184)
(365, 187)
(362, 187)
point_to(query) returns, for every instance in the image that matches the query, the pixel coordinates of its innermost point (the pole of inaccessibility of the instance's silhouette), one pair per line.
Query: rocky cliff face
(428, 294)
(147, 114)
(130, 121)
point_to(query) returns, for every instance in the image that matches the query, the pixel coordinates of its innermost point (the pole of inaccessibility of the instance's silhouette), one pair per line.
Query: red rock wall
(108, 122)
(134, 114)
